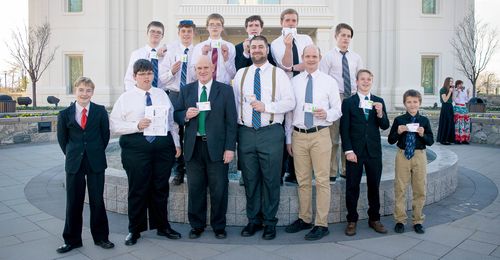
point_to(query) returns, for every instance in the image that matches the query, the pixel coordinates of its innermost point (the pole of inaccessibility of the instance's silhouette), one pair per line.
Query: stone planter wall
(25, 130)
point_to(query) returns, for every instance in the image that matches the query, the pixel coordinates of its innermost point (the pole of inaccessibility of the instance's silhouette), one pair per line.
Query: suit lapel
(71, 115)
(214, 92)
(91, 119)
(359, 110)
(193, 97)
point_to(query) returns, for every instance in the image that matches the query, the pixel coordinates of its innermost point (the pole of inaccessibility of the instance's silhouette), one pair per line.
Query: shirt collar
(149, 48)
(184, 47)
(80, 108)
(315, 74)
(361, 96)
(410, 116)
(339, 51)
(263, 67)
(141, 91)
(208, 85)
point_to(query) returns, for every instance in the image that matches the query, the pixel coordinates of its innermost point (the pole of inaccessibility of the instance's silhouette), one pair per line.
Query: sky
(14, 14)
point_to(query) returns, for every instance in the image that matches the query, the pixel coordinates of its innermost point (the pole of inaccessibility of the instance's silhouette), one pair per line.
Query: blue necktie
(154, 61)
(308, 117)
(184, 70)
(149, 103)
(256, 90)
(367, 111)
(410, 142)
(346, 75)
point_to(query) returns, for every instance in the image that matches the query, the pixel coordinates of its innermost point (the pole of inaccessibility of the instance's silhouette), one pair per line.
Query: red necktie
(84, 118)
(215, 55)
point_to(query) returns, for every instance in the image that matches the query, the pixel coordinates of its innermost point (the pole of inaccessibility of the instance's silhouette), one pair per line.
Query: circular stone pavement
(473, 193)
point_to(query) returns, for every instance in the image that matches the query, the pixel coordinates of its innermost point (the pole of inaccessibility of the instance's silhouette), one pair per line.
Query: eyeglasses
(215, 25)
(142, 74)
(155, 32)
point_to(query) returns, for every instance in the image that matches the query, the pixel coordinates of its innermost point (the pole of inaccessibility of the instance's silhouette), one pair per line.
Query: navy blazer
(357, 132)
(221, 120)
(75, 141)
(240, 61)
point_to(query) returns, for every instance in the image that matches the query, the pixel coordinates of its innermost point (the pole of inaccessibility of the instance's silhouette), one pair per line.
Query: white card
(250, 36)
(203, 106)
(309, 107)
(413, 127)
(158, 117)
(250, 98)
(215, 44)
(184, 58)
(366, 104)
(287, 31)
(153, 55)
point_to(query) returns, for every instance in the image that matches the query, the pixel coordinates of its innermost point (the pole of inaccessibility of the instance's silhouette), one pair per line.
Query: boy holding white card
(412, 132)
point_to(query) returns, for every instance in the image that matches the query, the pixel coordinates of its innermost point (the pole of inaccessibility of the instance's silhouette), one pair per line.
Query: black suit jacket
(220, 122)
(75, 141)
(241, 62)
(357, 132)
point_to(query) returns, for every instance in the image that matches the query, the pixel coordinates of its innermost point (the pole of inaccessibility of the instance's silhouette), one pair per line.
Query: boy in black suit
(412, 132)
(363, 115)
(83, 134)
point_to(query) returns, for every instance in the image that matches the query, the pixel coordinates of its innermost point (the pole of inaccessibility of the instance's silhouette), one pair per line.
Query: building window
(428, 78)
(253, 2)
(74, 6)
(429, 6)
(74, 70)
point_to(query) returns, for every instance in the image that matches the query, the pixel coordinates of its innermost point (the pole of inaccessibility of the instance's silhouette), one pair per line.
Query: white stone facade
(390, 35)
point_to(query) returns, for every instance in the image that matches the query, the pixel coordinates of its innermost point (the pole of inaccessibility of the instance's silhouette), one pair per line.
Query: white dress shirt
(142, 53)
(325, 96)
(331, 64)
(129, 109)
(174, 53)
(225, 69)
(278, 49)
(284, 98)
(200, 89)
(78, 112)
(460, 97)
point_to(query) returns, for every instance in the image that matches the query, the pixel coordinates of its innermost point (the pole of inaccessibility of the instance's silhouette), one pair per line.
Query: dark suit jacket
(241, 62)
(357, 132)
(221, 120)
(75, 141)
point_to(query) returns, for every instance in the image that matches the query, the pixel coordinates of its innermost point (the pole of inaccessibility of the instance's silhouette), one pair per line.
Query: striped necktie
(154, 61)
(256, 90)
(149, 103)
(184, 70)
(346, 75)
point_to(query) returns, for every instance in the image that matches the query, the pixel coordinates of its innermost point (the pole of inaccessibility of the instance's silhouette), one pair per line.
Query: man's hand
(420, 131)
(258, 106)
(161, 51)
(228, 156)
(144, 123)
(402, 129)
(246, 46)
(176, 67)
(178, 152)
(225, 52)
(192, 112)
(206, 48)
(351, 157)
(289, 149)
(320, 113)
(379, 108)
(288, 40)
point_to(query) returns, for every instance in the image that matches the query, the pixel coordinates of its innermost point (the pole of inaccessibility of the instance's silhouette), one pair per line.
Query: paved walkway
(27, 232)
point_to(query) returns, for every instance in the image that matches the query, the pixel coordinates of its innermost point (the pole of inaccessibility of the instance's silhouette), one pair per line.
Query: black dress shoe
(67, 247)
(178, 179)
(269, 232)
(220, 234)
(399, 228)
(291, 179)
(317, 233)
(250, 229)
(465, 142)
(419, 229)
(195, 233)
(297, 226)
(169, 233)
(106, 244)
(131, 238)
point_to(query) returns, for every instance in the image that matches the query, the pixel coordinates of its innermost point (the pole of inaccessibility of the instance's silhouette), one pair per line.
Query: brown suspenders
(241, 92)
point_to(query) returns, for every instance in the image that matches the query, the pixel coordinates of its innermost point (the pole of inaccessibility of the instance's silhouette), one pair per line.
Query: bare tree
(30, 50)
(474, 44)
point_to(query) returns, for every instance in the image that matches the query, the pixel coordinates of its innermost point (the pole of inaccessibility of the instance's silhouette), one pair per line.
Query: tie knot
(413, 119)
(147, 93)
(204, 88)
(366, 98)
(257, 70)
(309, 76)
(186, 50)
(153, 49)
(84, 110)
(343, 53)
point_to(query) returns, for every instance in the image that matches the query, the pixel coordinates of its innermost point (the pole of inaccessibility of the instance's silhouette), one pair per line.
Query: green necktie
(203, 114)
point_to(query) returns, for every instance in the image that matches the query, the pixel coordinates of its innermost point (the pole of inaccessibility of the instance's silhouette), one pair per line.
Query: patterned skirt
(462, 123)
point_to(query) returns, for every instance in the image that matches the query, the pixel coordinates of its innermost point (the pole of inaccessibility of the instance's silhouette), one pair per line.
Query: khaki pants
(312, 152)
(335, 136)
(413, 170)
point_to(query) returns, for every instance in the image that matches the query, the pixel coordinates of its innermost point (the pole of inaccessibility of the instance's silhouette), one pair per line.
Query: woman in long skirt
(462, 120)
(446, 129)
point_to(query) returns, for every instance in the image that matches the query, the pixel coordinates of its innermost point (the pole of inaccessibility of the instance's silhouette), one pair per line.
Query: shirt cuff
(348, 152)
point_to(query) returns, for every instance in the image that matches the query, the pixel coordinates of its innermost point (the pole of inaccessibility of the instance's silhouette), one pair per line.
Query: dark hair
(363, 71)
(447, 83)
(142, 65)
(156, 24)
(341, 26)
(412, 93)
(254, 18)
(259, 38)
(458, 82)
(215, 16)
(186, 24)
(289, 11)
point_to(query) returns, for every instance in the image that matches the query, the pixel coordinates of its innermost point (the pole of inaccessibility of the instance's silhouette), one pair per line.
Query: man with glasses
(219, 51)
(152, 52)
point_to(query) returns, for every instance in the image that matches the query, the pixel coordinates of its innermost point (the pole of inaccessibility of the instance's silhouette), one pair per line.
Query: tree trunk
(33, 86)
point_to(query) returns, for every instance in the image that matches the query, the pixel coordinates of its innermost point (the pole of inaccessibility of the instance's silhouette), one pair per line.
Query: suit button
(81, 154)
